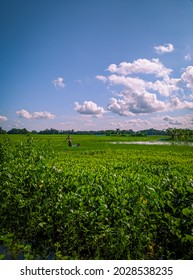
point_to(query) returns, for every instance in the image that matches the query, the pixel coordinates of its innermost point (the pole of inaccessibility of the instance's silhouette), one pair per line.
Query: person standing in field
(69, 141)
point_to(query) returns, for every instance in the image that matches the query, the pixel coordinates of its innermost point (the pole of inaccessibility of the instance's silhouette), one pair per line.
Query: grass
(91, 142)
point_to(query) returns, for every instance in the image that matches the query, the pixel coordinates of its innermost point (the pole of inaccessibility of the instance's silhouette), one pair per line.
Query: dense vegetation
(52, 131)
(96, 201)
(174, 133)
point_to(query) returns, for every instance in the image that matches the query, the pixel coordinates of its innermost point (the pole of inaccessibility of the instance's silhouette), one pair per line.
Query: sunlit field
(95, 201)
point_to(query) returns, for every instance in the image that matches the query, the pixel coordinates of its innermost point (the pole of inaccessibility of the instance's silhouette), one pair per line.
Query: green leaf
(190, 189)
(42, 224)
(187, 211)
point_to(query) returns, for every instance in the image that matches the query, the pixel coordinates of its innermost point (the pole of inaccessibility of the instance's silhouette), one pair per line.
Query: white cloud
(119, 106)
(42, 115)
(140, 65)
(36, 115)
(188, 57)
(187, 76)
(176, 104)
(89, 108)
(59, 83)
(3, 118)
(161, 49)
(133, 95)
(134, 84)
(101, 78)
(24, 114)
(135, 103)
(165, 87)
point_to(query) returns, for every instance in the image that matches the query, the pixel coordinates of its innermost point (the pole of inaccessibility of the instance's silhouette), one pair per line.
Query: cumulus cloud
(165, 87)
(161, 49)
(187, 77)
(176, 104)
(24, 114)
(140, 65)
(119, 106)
(3, 118)
(36, 115)
(59, 83)
(145, 86)
(89, 108)
(135, 103)
(134, 84)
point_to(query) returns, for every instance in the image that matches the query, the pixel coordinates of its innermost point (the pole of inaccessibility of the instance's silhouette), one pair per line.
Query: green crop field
(95, 201)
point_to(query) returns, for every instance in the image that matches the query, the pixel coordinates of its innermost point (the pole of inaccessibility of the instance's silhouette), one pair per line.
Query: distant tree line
(174, 133)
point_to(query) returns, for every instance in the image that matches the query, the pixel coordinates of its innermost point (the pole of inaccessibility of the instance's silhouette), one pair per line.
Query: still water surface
(154, 143)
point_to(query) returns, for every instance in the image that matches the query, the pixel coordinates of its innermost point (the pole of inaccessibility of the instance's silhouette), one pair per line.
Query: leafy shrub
(95, 204)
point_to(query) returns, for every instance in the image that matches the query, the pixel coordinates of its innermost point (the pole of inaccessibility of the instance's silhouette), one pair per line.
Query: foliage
(179, 134)
(18, 131)
(107, 203)
(128, 132)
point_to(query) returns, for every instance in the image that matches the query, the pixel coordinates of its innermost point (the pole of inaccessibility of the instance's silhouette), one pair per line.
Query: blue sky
(96, 64)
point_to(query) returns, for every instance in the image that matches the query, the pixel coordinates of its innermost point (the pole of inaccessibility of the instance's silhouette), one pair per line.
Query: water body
(154, 143)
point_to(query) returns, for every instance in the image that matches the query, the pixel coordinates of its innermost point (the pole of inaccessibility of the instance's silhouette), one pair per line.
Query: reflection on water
(154, 143)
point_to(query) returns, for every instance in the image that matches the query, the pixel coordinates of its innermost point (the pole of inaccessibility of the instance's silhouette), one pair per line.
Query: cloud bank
(36, 115)
(146, 86)
(140, 65)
